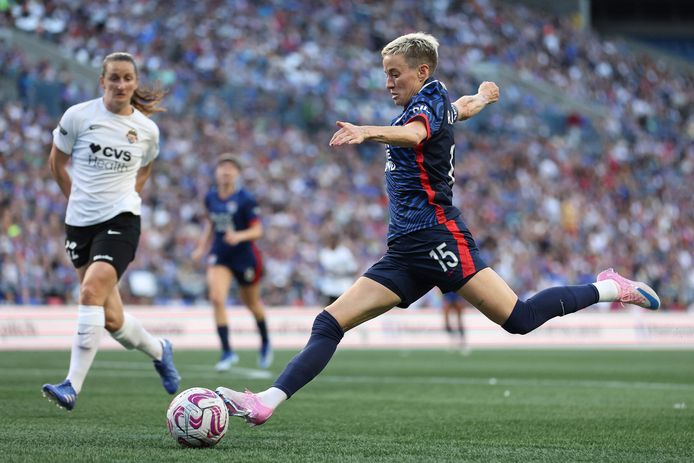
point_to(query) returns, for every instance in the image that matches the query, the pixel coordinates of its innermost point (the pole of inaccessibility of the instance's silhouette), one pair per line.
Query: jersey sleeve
(429, 108)
(152, 147)
(421, 111)
(251, 210)
(65, 134)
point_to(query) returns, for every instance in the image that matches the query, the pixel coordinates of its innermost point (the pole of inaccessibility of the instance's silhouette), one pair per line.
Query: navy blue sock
(325, 336)
(262, 329)
(223, 332)
(550, 303)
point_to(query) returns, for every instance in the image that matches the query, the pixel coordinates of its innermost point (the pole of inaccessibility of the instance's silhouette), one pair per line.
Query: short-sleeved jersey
(236, 212)
(419, 180)
(107, 150)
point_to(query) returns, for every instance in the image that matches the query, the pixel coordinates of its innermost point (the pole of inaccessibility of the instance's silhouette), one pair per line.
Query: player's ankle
(272, 397)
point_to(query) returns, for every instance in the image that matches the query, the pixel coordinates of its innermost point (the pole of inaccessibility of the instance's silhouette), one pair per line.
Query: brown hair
(146, 99)
(229, 157)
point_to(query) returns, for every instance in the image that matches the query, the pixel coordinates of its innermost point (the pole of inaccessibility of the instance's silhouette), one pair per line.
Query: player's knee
(326, 325)
(92, 294)
(217, 301)
(521, 320)
(517, 328)
(113, 324)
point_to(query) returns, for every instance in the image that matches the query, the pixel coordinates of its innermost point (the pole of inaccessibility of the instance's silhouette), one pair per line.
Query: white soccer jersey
(107, 151)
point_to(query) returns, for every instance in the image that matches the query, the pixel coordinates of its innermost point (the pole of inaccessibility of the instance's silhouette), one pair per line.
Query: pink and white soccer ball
(197, 417)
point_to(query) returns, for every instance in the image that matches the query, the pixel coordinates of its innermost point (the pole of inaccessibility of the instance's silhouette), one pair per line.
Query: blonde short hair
(417, 48)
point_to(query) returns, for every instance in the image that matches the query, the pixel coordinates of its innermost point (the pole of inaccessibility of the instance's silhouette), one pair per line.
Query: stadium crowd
(269, 79)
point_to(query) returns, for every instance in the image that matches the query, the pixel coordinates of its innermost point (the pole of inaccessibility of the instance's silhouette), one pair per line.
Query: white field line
(144, 369)
(499, 382)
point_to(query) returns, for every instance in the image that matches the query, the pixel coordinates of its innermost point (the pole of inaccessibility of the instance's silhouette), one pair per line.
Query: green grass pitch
(371, 406)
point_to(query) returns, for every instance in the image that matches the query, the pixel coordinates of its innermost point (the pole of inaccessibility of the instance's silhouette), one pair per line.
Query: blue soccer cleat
(63, 394)
(266, 356)
(170, 378)
(227, 359)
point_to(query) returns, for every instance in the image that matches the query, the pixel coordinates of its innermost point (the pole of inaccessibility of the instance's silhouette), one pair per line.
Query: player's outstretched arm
(407, 136)
(469, 105)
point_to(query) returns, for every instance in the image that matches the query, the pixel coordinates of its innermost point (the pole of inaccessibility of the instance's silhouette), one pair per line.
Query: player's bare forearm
(142, 175)
(470, 105)
(58, 162)
(204, 241)
(251, 233)
(206, 238)
(62, 178)
(407, 136)
(395, 135)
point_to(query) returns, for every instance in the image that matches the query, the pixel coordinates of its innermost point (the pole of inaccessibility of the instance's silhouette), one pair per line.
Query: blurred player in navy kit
(428, 242)
(452, 308)
(232, 227)
(110, 143)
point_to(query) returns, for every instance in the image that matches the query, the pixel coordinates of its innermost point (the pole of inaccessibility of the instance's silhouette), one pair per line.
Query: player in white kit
(109, 144)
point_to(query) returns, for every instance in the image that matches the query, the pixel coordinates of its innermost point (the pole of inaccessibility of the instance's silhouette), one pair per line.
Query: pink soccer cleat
(632, 292)
(246, 405)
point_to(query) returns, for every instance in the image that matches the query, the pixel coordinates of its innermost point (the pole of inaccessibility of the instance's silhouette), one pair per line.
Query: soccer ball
(197, 417)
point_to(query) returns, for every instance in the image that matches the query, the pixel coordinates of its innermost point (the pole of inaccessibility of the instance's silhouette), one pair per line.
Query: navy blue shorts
(246, 271)
(444, 255)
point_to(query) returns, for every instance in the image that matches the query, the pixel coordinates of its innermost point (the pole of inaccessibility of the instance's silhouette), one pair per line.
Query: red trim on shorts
(258, 263)
(466, 262)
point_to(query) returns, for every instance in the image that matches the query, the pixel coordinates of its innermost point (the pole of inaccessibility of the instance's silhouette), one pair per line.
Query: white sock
(272, 397)
(132, 335)
(85, 343)
(608, 290)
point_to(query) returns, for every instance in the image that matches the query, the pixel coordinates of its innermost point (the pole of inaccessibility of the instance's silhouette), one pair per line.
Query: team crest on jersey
(232, 207)
(132, 136)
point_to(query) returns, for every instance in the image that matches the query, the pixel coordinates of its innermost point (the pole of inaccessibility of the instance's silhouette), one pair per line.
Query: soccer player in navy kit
(428, 242)
(232, 227)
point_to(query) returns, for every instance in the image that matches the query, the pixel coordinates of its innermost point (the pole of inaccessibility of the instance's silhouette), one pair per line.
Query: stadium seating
(552, 194)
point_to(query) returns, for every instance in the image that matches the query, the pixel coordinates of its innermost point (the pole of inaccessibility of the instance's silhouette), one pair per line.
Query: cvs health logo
(114, 153)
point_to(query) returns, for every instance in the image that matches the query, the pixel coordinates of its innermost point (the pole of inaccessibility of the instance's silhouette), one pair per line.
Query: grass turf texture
(397, 406)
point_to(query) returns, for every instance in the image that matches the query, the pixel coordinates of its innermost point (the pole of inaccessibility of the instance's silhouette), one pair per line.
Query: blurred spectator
(269, 79)
(338, 267)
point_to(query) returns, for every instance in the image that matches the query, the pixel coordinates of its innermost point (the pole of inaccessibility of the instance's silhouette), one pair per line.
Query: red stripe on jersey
(424, 180)
(258, 263)
(423, 118)
(466, 262)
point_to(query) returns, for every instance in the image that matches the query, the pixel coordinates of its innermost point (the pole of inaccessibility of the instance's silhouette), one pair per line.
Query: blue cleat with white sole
(266, 356)
(170, 378)
(226, 361)
(63, 394)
